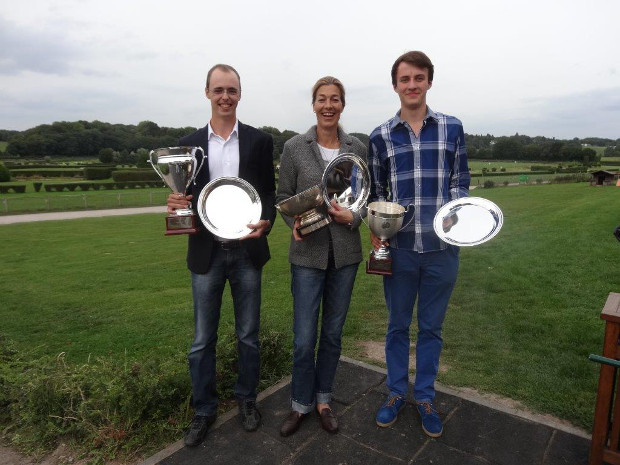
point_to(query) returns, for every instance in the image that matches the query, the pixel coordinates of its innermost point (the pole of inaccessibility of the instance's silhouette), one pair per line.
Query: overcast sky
(542, 67)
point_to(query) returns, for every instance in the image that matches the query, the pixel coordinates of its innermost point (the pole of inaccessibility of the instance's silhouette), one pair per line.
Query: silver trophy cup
(385, 219)
(178, 167)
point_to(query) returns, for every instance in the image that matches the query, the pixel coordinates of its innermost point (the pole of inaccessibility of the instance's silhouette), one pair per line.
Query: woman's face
(327, 106)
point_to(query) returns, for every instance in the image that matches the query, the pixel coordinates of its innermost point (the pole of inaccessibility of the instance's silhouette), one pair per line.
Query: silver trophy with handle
(178, 167)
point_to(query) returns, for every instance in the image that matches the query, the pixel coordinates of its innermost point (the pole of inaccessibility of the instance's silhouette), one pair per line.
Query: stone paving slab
(474, 433)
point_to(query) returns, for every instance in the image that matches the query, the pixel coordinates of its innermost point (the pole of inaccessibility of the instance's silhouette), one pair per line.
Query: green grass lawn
(523, 318)
(37, 202)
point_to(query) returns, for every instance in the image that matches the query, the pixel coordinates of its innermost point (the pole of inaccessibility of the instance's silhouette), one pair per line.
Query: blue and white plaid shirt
(426, 171)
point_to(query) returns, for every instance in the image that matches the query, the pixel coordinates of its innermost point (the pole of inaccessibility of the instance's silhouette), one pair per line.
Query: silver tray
(468, 221)
(227, 205)
(346, 179)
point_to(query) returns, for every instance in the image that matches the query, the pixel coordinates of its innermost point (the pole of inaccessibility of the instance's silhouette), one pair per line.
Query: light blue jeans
(245, 284)
(313, 378)
(430, 277)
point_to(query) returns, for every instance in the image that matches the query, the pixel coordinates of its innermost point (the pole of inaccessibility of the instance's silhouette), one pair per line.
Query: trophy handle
(154, 165)
(202, 161)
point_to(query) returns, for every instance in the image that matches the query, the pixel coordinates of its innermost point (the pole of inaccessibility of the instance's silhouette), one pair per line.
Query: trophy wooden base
(381, 267)
(181, 224)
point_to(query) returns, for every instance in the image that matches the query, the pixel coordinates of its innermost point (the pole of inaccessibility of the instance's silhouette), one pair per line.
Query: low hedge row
(48, 172)
(506, 173)
(97, 172)
(18, 189)
(134, 175)
(85, 186)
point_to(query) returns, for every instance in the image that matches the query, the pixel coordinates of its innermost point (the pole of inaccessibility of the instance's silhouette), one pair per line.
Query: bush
(581, 177)
(17, 188)
(488, 184)
(37, 186)
(114, 408)
(97, 172)
(48, 172)
(134, 175)
(5, 174)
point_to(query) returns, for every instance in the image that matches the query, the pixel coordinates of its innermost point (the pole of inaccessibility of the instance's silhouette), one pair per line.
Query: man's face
(224, 92)
(411, 86)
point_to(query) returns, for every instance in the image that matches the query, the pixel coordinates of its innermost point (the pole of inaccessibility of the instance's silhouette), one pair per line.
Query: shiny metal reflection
(227, 205)
(468, 221)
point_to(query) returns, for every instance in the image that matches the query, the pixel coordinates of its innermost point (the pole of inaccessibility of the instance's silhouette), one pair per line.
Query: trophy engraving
(178, 167)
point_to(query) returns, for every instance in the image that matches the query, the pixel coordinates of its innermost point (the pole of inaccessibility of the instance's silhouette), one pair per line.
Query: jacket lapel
(244, 150)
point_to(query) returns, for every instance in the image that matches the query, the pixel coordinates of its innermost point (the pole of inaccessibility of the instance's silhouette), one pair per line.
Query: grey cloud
(33, 49)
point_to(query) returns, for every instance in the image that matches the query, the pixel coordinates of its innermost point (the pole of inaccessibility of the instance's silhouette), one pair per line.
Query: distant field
(509, 165)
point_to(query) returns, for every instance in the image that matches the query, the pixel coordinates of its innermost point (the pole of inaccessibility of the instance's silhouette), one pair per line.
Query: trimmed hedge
(503, 173)
(7, 188)
(134, 175)
(49, 173)
(85, 186)
(97, 172)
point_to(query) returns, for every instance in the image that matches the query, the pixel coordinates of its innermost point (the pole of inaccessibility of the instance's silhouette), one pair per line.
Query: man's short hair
(222, 67)
(326, 81)
(414, 58)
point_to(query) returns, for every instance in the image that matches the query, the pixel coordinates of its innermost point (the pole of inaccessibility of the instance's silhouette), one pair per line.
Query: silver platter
(227, 205)
(468, 221)
(346, 179)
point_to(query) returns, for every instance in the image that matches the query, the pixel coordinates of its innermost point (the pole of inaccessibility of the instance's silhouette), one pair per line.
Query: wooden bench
(606, 428)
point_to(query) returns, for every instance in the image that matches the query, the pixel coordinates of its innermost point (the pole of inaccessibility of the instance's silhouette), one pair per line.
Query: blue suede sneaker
(388, 413)
(431, 423)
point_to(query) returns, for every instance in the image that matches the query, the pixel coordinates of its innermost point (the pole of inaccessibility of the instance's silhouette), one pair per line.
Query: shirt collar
(430, 114)
(235, 130)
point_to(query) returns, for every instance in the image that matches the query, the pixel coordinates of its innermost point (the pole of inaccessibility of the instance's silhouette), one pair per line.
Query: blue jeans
(313, 379)
(431, 278)
(245, 285)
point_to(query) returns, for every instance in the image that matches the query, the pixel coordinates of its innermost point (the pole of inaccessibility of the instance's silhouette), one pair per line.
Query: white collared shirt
(223, 154)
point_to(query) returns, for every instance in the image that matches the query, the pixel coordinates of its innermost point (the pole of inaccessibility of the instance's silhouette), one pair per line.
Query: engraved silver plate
(227, 205)
(468, 221)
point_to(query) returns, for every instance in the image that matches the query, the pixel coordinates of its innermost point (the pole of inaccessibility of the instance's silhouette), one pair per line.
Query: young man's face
(411, 86)
(224, 92)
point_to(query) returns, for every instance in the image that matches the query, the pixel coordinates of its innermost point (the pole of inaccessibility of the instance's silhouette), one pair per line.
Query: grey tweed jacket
(301, 167)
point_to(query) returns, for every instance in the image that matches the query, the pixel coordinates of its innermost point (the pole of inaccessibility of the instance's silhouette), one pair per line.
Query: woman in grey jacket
(323, 263)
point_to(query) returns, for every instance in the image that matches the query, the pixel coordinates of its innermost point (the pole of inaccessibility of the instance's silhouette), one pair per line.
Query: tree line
(96, 139)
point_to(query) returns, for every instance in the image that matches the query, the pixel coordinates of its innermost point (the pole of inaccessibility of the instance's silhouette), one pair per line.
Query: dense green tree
(106, 155)
(142, 157)
(507, 148)
(86, 139)
(5, 174)
(589, 157)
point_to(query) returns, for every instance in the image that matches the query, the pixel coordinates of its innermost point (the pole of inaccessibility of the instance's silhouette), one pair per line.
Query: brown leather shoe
(291, 423)
(329, 421)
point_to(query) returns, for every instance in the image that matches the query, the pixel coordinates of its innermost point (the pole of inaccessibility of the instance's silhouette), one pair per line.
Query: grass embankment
(114, 292)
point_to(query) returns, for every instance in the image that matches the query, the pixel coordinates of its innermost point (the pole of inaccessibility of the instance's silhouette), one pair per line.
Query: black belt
(229, 245)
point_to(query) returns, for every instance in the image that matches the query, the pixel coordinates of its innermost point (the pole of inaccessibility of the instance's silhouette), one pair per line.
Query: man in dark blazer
(231, 149)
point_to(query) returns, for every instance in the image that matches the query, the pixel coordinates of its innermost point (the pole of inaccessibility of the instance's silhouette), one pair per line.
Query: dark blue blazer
(256, 167)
